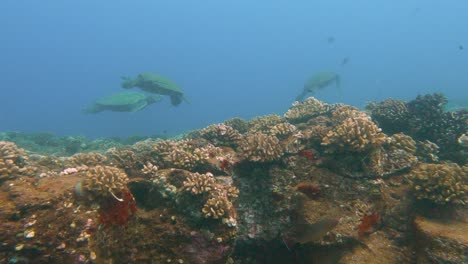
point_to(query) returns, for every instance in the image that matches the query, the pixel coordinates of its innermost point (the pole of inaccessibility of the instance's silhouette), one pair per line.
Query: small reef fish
(306, 232)
(345, 61)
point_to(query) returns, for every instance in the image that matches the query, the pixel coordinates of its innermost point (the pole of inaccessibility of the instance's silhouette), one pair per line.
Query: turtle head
(92, 109)
(176, 99)
(153, 99)
(127, 82)
(338, 81)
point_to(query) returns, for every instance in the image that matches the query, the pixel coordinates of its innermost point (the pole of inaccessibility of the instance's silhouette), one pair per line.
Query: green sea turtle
(154, 83)
(317, 82)
(122, 102)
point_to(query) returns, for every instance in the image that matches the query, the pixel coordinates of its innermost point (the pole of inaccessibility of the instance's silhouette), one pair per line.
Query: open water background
(232, 58)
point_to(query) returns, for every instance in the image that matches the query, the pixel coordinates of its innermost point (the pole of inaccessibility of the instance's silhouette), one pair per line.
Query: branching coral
(163, 179)
(282, 130)
(88, 159)
(388, 160)
(188, 159)
(427, 151)
(440, 183)
(101, 182)
(221, 135)
(260, 147)
(149, 169)
(12, 160)
(184, 154)
(217, 196)
(391, 114)
(294, 143)
(219, 205)
(238, 124)
(216, 207)
(315, 133)
(346, 111)
(428, 107)
(264, 123)
(107, 187)
(403, 142)
(272, 125)
(430, 121)
(311, 107)
(125, 159)
(355, 134)
(424, 118)
(395, 155)
(197, 183)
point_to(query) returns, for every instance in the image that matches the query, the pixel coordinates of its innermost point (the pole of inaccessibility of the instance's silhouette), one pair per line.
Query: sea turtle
(122, 102)
(154, 83)
(319, 81)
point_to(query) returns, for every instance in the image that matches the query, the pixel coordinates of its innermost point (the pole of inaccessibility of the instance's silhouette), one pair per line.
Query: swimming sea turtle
(154, 83)
(317, 82)
(122, 102)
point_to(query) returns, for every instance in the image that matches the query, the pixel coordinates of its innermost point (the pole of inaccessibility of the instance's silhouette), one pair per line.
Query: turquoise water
(235, 58)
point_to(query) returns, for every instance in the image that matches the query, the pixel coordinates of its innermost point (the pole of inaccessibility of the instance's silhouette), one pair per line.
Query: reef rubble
(325, 183)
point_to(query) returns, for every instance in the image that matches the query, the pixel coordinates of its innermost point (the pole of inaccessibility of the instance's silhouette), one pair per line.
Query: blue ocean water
(231, 58)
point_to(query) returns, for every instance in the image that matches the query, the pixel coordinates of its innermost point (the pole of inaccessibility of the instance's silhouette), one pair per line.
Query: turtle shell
(122, 102)
(322, 79)
(155, 83)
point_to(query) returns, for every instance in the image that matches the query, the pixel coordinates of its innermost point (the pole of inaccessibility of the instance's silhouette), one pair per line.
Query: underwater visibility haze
(234, 58)
(234, 132)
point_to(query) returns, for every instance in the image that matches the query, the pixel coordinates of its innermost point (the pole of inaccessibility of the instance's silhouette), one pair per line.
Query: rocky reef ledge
(325, 183)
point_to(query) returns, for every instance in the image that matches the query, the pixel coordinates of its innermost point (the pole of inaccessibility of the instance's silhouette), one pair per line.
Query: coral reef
(311, 190)
(87, 159)
(102, 182)
(117, 212)
(184, 154)
(325, 178)
(264, 123)
(197, 183)
(354, 134)
(403, 142)
(463, 140)
(282, 130)
(12, 160)
(427, 151)
(424, 118)
(260, 147)
(441, 242)
(238, 124)
(125, 159)
(391, 115)
(221, 135)
(367, 225)
(303, 111)
(218, 204)
(440, 183)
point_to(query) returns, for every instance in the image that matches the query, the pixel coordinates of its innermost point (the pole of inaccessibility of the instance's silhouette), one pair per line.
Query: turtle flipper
(127, 82)
(338, 81)
(139, 107)
(303, 95)
(92, 109)
(186, 99)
